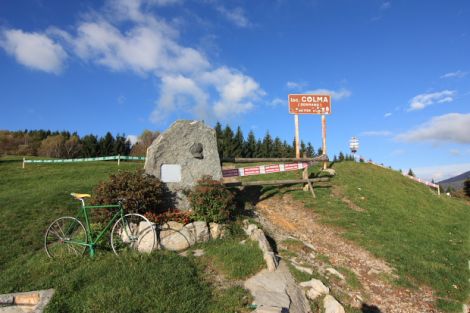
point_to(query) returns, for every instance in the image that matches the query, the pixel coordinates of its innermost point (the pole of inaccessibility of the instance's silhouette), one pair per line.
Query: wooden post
(119, 159)
(24, 159)
(305, 176)
(438, 190)
(323, 128)
(297, 139)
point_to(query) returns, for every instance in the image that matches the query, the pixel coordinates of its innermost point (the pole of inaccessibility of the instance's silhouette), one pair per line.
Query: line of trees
(234, 145)
(62, 144)
(70, 145)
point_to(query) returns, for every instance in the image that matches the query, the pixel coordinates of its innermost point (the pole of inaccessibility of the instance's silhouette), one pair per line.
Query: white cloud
(386, 5)
(132, 138)
(144, 48)
(335, 94)
(148, 46)
(121, 99)
(456, 74)
(34, 50)
(388, 114)
(277, 102)
(180, 94)
(377, 133)
(295, 85)
(237, 92)
(441, 172)
(423, 100)
(236, 15)
(452, 127)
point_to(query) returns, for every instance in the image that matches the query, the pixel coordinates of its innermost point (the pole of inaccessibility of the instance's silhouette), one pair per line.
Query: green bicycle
(68, 236)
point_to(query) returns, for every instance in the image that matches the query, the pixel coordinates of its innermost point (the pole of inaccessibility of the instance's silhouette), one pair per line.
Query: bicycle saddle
(80, 196)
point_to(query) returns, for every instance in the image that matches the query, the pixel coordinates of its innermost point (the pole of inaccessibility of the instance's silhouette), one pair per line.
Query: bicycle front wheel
(133, 232)
(65, 236)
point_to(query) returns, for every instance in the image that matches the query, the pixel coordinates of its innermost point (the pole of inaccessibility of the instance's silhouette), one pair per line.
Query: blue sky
(398, 71)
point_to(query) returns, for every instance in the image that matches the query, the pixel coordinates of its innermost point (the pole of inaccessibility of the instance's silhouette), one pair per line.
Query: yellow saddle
(80, 196)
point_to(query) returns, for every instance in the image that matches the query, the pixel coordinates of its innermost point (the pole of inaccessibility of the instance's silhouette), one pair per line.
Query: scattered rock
(216, 230)
(277, 289)
(308, 245)
(198, 230)
(317, 288)
(335, 272)
(172, 225)
(198, 252)
(188, 149)
(268, 254)
(303, 268)
(147, 241)
(6, 300)
(329, 171)
(250, 229)
(331, 305)
(243, 242)
(317, 285)
(268, 309)
(174, 240)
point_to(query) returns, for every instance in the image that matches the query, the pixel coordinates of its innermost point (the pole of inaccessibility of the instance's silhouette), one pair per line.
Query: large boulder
(182, 155)
(176, 240)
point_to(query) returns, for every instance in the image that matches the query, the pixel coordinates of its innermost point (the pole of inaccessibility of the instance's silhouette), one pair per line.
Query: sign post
(297, 139)
(323, 131)
(309, 104)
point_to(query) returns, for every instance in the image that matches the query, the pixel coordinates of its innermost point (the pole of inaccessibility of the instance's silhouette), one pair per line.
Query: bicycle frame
(84, 212)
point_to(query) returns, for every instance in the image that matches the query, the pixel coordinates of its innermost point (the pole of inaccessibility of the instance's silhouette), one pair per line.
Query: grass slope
(31, 198)
(425, 237)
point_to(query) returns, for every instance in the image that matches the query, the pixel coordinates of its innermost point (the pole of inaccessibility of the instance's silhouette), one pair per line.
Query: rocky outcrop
(277, 291)
(331, 305)
(258, 235)
(182, 155)
(175, 236)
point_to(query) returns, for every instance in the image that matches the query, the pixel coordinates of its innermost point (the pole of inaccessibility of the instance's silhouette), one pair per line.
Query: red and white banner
(264, 169)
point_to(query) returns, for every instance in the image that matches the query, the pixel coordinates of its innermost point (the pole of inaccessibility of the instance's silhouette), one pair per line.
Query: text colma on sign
(309, 104)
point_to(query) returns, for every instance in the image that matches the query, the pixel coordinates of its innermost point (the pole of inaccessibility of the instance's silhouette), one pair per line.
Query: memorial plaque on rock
(182, 155)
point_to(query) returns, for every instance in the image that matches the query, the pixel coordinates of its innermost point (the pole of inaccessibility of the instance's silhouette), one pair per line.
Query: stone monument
(182, 155)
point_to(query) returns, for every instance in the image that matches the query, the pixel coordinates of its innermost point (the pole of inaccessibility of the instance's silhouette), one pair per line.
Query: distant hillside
(455, 182)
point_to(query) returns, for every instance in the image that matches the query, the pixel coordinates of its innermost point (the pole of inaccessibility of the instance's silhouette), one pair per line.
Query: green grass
(31, 198)
(425, 237)
(232, 259)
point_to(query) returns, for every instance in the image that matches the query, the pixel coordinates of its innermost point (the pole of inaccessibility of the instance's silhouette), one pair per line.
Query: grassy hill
(31, 198)
(424, 236)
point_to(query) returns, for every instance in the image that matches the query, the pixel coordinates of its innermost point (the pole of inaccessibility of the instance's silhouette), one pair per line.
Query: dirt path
(290, 217)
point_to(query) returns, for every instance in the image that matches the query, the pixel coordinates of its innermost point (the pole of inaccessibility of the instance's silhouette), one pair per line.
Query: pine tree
(267, 146)
(106, 144)
(277, 149)
(259, 149)
(250, 145)
(319, 151)
(303, 148)
(410, 173)
(310, 151)
(90, 146)
(341, 157)
(228, 143)
(238, 143)
(220, 140)
(288, 152)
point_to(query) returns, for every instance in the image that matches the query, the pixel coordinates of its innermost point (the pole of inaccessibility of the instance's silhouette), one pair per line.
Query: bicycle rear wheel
(133, 232)
(62, 237)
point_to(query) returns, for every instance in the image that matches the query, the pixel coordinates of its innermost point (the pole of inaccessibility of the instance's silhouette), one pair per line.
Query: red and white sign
(309, 104)
(264, 169)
